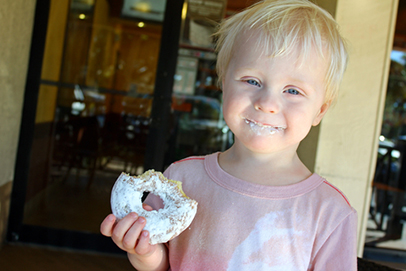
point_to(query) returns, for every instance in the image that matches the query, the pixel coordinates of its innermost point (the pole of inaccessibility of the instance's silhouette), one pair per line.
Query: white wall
(16, 21)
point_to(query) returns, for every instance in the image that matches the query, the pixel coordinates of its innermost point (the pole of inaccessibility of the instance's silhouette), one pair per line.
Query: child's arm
(128, 235)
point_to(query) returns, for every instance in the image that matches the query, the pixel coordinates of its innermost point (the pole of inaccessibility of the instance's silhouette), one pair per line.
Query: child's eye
(252, 82)
(293, 91)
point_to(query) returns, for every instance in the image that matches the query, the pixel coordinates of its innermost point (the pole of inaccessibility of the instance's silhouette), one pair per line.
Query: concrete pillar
(16, 20)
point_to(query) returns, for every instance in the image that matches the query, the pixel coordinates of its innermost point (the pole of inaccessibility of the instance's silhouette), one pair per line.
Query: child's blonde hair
(287, 25)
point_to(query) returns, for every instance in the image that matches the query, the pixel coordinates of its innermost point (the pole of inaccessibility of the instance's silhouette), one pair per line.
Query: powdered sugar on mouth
(261, 129)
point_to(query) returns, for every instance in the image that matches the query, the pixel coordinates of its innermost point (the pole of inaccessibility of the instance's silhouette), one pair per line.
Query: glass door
(385, 238)
(125, 86)
(386, 223)
(93, 111)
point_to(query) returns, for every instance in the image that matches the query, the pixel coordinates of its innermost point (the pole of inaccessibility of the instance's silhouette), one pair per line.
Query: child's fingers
(147, 207)
(122, 227)
(132, 235)
(128, 232)
(106, 227)
(143, 246)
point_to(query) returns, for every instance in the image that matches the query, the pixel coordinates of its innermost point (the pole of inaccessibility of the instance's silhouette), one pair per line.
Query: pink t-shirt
(239, 225)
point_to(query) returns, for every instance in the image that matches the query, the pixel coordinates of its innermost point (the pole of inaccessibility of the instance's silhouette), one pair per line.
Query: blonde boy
(280, 63)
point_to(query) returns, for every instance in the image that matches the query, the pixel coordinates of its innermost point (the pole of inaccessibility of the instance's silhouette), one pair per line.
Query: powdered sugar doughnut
(164, 224)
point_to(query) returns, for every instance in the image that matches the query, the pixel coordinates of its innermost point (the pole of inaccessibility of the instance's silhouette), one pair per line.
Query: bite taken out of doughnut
(163, 224)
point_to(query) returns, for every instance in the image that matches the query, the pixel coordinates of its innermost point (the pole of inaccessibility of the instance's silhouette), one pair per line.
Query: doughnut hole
(160, 201)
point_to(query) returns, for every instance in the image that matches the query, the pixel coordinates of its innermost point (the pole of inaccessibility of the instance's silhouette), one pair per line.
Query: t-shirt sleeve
(339, 251)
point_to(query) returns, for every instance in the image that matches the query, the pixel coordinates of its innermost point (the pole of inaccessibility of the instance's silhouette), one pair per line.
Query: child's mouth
(261, 129)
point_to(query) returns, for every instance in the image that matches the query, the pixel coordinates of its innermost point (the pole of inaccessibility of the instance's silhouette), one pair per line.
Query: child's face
(270, 104)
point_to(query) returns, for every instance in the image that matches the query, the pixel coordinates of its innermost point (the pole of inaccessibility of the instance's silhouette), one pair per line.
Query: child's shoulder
(189, 160)
(192, 164)
(333, 198)
(327, 205)
(332, 190)
(198, 159)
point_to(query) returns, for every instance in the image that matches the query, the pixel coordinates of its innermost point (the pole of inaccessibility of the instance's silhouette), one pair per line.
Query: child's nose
(268, 103)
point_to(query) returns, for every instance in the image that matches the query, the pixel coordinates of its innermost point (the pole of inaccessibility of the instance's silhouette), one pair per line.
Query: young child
(280, 63)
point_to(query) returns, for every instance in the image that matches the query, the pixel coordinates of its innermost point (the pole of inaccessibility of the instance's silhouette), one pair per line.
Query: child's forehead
(259, 43)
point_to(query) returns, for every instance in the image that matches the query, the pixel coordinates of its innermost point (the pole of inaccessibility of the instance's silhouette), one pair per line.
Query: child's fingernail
(141, 220)
(145, 233)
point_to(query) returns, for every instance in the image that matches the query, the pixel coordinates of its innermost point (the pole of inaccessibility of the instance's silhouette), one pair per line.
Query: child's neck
(266, 169)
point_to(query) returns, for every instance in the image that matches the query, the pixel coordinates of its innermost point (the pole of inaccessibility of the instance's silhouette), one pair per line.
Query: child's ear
(322, 112)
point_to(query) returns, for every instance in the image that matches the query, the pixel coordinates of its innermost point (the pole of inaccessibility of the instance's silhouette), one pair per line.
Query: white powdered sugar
(264, 130)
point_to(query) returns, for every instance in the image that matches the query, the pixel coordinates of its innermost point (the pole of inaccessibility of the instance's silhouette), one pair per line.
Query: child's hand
(128, 233)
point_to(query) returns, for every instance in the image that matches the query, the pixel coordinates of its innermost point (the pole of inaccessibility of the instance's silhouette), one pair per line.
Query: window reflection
(386, 224)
